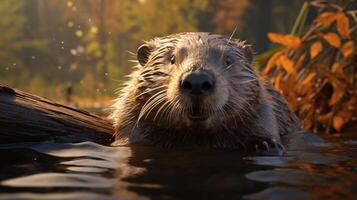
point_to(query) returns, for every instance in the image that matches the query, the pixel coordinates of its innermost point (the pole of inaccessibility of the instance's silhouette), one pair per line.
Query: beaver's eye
(228, 61)
(172, 60)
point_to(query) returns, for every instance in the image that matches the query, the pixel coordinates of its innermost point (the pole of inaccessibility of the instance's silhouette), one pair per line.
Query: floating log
(28, 118)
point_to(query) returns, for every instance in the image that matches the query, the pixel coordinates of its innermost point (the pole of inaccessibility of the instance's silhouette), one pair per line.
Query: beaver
(200, 89)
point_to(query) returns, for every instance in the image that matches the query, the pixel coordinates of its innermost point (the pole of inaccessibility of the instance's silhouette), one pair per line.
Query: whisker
(229, 40)
(229, 66)
(166, 111)
(161, 107)
(144, 107)
(149, 90)
(248, 81)
(154, 104)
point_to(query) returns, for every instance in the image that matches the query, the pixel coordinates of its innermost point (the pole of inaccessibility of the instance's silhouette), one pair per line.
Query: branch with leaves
(316, 70)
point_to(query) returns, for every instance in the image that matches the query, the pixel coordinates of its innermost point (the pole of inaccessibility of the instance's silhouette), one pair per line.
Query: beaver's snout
(197, 83)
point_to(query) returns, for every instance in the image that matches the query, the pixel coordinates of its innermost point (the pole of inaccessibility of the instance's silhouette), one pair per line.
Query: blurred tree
(253, 18)
(265, 16)
(263, 12)
(228, 14)
(103, 40)
(13, 44)
(152, 18)
(11, 25)
(64, 41)
(90, 86)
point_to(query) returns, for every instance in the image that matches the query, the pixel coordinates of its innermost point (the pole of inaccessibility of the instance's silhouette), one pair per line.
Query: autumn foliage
(316, 69)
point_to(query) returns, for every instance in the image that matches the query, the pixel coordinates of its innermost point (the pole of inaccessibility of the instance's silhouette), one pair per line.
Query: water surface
(312, 169)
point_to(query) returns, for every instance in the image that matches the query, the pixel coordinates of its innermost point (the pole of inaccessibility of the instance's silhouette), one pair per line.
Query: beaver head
(186, 84)
(195, 79)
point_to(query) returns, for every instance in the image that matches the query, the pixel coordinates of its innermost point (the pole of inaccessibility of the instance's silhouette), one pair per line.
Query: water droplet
(79, 33)
(94, 29)
(73, 66)
(70, 24)
(106, 74)
(33, 57)
(69, 3)
(73, 52)
(80, 49)
(14, 64)
(59, 67)
(62, 42)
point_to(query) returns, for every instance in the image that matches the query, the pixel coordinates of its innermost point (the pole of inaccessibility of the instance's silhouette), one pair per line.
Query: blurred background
(79, 51)
(84, 47)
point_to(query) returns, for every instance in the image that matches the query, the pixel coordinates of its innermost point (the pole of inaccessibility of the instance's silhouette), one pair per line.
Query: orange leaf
(338, 122)
(309, 78)
(338, 89)
(336, 67)
(336, 96)
(277, 82)
(347, 48)
(287, 64)
(332, 39)
(272, 61)
(326, 18)
(343, 25)
(290, 41)
(315, 49)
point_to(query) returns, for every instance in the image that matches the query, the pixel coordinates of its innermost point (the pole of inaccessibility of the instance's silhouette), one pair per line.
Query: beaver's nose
(197, 83)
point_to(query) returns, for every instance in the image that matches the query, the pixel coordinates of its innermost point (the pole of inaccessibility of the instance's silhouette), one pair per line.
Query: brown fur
(242, 108)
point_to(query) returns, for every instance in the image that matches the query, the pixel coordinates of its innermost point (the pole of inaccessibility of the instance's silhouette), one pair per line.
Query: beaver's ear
(143, 54)
(247, 50)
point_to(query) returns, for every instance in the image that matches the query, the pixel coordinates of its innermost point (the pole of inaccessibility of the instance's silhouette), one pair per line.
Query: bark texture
(27, 118)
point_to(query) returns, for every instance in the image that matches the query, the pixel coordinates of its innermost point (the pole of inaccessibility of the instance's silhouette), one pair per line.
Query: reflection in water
(62, 180)
(312, 169)
(279, 193)
(190, 174)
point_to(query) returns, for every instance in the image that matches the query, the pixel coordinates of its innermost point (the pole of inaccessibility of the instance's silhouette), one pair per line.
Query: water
(312, 169)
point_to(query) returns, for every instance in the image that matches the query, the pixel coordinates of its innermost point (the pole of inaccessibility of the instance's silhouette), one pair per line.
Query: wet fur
(244, 109)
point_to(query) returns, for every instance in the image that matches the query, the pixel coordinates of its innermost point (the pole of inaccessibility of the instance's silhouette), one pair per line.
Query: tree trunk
(29, 118)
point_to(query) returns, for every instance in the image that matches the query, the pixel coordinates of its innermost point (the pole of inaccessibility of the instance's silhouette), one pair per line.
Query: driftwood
(28, 118)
